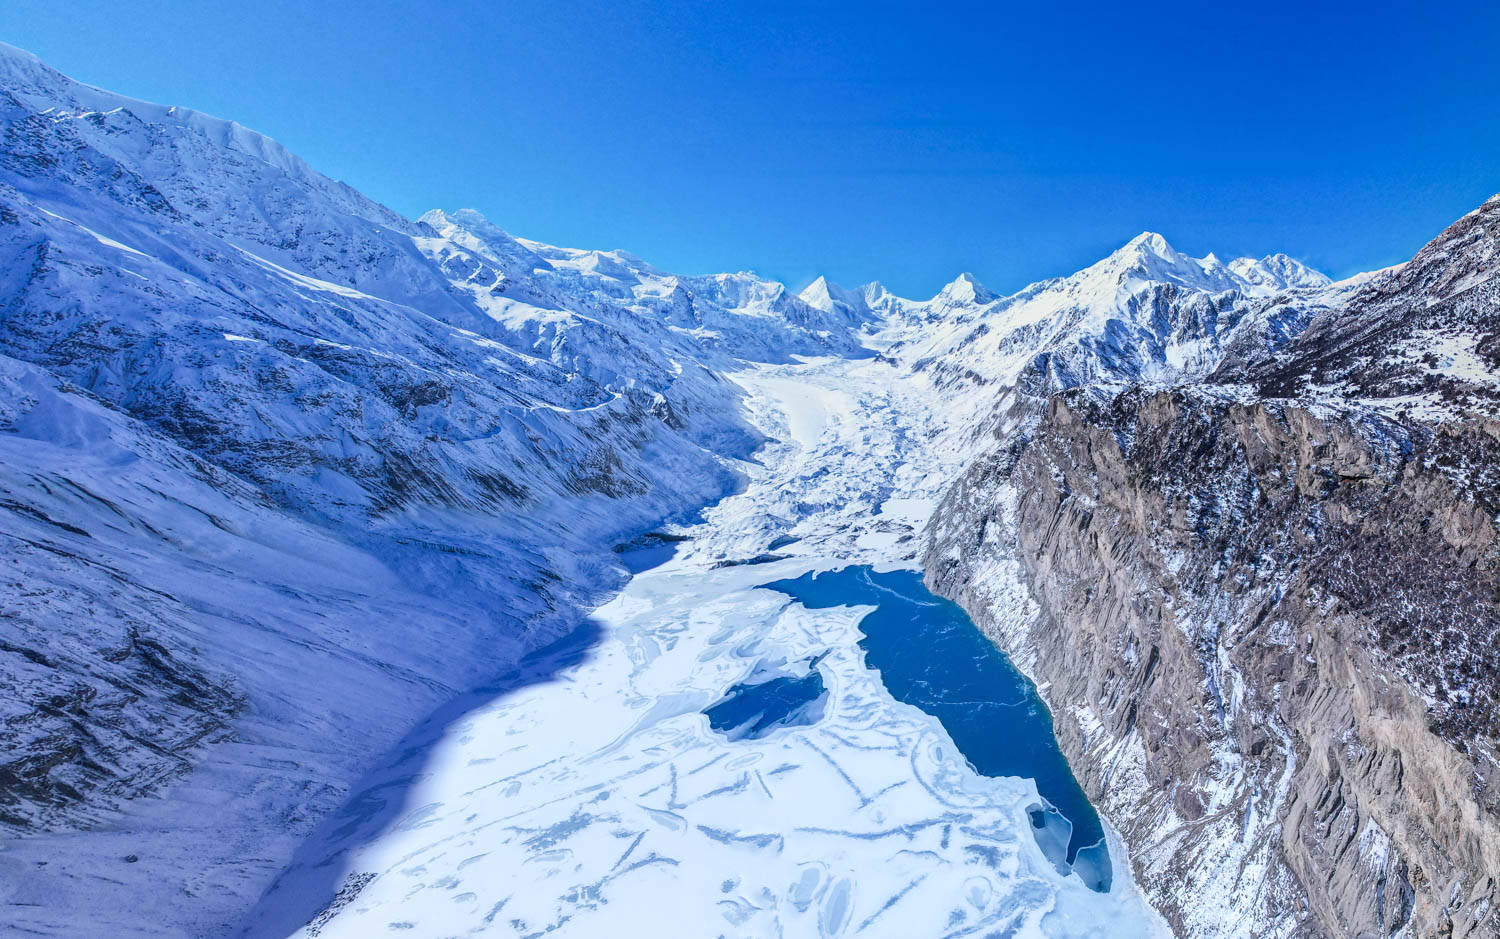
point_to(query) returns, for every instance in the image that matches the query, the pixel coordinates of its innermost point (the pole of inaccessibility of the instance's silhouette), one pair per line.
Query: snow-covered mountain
(1266, 591)
(283, 472)
(1145, 313)
(863, 305)
(286, 470)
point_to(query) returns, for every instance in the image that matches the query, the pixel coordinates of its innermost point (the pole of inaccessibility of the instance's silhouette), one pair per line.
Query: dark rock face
(1266, 624)
(132, 717)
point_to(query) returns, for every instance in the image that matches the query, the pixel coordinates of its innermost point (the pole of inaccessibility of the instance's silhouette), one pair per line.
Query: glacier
(597, 799)
(322, 613)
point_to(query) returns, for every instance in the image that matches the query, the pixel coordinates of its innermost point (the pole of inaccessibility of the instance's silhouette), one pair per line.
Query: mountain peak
(470, 221)
(874, 292)
(965, 288)
(823, 294)
(1278, 271)
(1149, 258)
(819, 294)
(1148, 254)
(1148, 242)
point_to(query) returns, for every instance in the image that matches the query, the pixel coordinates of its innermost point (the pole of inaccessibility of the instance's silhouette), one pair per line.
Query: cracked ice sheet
(603, 804)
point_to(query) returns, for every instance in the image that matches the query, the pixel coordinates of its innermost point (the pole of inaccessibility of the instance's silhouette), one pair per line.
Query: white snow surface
(597, 801)
(1146, 314)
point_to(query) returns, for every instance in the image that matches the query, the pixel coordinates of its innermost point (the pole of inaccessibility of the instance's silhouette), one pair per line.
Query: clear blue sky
(902, 142)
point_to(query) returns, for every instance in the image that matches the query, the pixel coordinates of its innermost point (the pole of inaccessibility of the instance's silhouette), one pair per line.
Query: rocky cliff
(1264, 609)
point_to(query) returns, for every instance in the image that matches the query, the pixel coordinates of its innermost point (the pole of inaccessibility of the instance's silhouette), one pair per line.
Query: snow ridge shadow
(318, 883)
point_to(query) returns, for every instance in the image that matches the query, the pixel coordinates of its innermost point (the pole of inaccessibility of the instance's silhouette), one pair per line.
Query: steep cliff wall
(1267, 635)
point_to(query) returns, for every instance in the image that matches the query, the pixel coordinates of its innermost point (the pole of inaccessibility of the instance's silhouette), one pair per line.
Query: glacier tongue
(588, 793)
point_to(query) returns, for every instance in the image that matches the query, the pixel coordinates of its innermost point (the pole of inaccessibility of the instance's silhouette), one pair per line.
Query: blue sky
(902, 142)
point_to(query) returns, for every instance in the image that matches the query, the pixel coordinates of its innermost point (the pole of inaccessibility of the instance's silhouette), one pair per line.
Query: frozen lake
(930, 655)
(773, 731)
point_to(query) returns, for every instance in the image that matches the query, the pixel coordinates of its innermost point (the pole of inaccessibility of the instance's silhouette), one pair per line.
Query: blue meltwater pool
(930, 655)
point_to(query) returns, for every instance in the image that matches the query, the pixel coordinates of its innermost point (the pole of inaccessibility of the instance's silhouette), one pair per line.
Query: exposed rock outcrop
(1266, 624)
(1264, 635)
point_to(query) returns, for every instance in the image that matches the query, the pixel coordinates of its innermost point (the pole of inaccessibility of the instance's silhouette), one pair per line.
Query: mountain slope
(1265, 596)
(285, 472)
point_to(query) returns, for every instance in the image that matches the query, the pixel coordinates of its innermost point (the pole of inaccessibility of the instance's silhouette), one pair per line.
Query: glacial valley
(364, 573)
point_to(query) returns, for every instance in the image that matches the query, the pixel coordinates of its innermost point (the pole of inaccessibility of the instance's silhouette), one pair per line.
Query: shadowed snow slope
(284, 471)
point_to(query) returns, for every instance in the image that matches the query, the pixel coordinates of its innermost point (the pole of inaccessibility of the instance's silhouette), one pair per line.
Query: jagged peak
(965, 288)
(472, 221)
(825, 295)
(438, 218)
(1278, 270)
(819, 294)
(471, 217)
(1149, 241)
(1149, 257)
(473, 231)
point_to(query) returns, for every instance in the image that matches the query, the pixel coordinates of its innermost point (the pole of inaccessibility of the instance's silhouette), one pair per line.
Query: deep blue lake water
(931, 655)
(754, 709)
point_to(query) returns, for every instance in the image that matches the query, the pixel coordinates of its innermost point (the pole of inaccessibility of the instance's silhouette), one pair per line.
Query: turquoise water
(930, 655)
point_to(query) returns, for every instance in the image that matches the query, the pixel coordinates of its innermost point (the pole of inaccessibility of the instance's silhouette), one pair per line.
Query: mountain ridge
(1262, 591)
